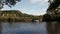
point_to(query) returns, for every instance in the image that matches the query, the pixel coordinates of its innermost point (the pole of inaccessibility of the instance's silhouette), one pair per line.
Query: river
(30, 28)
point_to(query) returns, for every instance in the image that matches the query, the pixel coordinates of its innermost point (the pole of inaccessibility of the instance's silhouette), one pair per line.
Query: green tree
(46, 17)
(53, 8)
(54, 4)
(10, 3)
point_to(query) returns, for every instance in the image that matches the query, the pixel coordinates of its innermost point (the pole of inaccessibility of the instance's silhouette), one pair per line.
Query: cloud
(37, 12)
(35, 1)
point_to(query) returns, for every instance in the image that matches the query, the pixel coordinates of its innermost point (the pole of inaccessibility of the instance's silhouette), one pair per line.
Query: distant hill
(16, 15)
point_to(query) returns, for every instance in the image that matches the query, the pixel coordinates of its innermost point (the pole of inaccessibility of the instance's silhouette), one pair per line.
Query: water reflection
(57, 28)
(24, 28)
(53, 27)
(0, 28)
(49, 28)
(31, 28)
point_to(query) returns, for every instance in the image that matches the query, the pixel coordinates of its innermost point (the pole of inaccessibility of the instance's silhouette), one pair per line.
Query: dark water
(31, 28)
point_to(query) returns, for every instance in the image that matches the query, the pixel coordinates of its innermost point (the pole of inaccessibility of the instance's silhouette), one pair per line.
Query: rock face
(5, 15)
(14, 16)
(17, 16)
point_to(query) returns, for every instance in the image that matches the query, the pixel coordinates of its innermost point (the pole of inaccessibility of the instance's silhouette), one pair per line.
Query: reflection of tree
(0, 28)
(57, 28)
(49, 28)
(52, 30)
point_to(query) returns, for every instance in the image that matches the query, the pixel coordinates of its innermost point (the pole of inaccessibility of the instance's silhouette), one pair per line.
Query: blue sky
(33, 7)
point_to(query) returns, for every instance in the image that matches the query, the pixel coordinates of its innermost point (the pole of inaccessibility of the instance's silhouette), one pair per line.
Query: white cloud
(46, 0)
(34, 12)
(35, 1)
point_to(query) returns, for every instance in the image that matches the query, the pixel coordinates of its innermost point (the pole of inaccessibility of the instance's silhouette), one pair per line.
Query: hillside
(15, 15)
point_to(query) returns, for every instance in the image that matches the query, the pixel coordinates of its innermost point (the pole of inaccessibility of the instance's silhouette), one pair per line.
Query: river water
(30, 28)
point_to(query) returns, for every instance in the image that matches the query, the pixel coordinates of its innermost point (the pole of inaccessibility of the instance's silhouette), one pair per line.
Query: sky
(32, 7)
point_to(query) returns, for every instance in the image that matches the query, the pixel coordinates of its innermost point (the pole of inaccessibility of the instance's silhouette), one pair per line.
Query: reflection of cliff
(16, 15)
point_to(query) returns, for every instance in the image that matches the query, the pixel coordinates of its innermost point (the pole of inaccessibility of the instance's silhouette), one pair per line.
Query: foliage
(54, 4)
(53, 11)
(46, 17)
(10, 3)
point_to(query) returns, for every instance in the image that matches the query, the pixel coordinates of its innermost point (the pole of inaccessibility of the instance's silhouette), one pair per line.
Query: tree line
(53, 11)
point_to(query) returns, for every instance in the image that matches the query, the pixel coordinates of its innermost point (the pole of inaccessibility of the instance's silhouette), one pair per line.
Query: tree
(46, 17)
(10, 3)
(54, 4)
(54, 8)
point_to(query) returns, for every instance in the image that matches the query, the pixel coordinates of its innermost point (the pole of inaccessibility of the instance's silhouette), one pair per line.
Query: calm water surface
(30, 28)
(24, 28)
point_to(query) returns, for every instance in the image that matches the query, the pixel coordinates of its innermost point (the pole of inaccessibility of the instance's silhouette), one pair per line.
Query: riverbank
(17, 16)
(19, 20)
